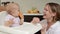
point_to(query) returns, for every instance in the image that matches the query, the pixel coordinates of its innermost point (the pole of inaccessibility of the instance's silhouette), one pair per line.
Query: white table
(26, 28)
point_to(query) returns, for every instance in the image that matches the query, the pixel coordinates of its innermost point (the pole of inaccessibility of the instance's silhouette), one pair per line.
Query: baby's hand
(22, 20)
(11, 21)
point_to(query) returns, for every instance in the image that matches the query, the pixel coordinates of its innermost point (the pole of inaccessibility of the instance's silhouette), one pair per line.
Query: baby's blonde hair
(9, 6)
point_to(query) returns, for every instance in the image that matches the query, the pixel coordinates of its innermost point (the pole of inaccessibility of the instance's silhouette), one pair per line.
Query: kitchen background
(29, 5)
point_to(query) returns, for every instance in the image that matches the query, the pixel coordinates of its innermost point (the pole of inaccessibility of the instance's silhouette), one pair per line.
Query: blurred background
(27, 6)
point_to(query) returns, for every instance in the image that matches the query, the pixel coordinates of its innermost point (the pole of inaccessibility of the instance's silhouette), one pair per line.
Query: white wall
(0, 2)
(28, 4)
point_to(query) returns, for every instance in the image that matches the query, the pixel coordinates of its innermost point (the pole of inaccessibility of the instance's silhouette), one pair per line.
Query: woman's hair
(55, 8)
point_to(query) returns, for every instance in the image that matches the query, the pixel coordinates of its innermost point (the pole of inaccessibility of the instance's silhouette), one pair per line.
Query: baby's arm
(21, 15)
(21, 21)
(8, 23)
(22, 18)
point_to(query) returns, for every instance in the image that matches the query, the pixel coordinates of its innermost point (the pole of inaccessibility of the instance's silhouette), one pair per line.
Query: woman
(52, 15)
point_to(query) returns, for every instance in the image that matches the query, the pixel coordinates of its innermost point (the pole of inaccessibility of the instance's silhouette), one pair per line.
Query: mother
(52, 15)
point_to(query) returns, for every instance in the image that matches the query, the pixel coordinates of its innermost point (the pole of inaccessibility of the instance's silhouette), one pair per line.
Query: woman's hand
(43, 30)
(35, 20)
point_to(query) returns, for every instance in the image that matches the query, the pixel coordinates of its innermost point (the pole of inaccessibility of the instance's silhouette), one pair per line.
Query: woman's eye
(45, 9)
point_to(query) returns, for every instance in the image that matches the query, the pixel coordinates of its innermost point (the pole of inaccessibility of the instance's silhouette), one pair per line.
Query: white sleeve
(53, 32)
(57, 31)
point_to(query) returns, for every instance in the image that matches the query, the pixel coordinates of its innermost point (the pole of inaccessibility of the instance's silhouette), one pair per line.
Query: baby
(13, 17)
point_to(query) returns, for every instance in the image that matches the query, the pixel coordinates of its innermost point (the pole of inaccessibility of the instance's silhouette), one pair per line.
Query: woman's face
(48, 14)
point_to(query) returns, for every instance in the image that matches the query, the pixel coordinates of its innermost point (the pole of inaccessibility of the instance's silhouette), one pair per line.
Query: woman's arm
(43, 31)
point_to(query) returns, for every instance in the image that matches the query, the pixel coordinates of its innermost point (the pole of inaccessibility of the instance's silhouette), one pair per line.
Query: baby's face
(15, 10)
